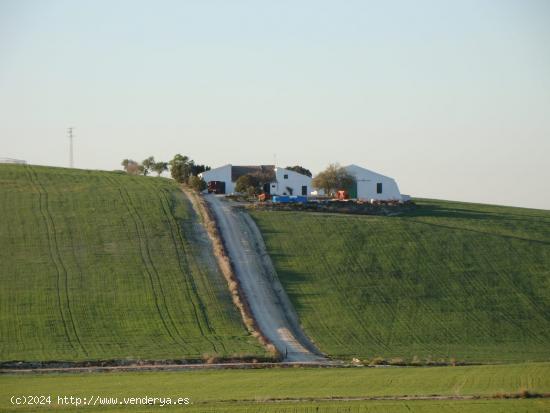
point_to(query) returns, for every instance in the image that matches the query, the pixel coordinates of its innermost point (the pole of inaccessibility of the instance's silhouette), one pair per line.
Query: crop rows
(306, 390)
(101, 266)
(447, 281)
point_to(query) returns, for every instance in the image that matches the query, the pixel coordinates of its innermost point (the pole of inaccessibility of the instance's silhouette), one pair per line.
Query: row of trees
(182, 168)
(144, 168)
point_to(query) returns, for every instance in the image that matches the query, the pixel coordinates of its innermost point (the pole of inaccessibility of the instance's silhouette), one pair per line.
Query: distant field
(101, 265)
(449, 280)
(256, 390)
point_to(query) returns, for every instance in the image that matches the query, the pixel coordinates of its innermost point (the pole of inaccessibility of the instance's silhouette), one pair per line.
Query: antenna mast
(71, 156)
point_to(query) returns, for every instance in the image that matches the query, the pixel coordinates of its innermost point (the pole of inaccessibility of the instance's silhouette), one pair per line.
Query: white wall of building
(223, 174)
(284, 179)
(367, 181)
(289, 179)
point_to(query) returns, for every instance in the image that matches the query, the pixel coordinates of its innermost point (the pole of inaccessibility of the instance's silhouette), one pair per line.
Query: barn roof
(358, 171)
(238, 171)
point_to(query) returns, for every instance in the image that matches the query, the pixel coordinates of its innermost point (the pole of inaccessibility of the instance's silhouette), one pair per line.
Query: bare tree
(131, 167)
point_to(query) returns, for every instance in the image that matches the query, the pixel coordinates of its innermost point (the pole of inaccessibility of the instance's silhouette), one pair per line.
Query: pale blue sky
(451, 98)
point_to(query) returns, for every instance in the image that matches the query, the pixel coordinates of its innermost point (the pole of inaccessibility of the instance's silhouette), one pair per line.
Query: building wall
(367, 185)
(293, 180)
(223, 174)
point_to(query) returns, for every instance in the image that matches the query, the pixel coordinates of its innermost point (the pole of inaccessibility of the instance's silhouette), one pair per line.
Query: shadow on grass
(437, 211)
(434, 210)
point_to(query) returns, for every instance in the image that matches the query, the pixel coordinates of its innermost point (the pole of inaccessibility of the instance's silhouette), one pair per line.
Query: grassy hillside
(309, 389)
(448, 280)
(100, 265)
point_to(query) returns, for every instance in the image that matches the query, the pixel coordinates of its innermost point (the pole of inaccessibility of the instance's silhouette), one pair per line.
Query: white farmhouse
(371, 185)
(281, 181)
(289, 182)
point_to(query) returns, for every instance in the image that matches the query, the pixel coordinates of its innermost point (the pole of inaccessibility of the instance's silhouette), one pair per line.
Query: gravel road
(267, 299)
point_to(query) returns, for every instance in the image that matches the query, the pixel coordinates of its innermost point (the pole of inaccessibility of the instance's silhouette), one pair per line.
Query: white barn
(371, 185)
(282, 181)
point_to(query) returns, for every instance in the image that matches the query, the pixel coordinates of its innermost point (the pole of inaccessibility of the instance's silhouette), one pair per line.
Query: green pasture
(446, 281)
(102, 265)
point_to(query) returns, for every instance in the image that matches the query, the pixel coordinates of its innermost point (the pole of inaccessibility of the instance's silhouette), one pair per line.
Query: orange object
(342, 195)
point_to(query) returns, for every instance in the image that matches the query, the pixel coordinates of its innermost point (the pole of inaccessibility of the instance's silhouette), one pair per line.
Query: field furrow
(56, 258)
(446, 281)
(115, 260)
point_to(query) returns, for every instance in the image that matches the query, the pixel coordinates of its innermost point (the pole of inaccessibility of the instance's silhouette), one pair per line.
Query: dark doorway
(216, 187)
(304, 190)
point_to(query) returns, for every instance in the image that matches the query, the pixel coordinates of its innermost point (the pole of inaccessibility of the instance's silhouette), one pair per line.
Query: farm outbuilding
(281, 181)
(372, 185)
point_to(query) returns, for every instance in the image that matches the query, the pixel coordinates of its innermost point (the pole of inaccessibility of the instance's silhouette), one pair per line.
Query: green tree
(181, 168)
(197, 169)
(160, 167)
(197, 183)
(248, 184)
(300, 170)
(148, 165)
(332, 179)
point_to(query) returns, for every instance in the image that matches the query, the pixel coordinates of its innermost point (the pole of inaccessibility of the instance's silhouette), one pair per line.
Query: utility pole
(71, 157)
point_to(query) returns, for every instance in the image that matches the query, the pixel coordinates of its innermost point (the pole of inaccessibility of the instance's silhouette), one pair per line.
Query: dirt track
(268, 301)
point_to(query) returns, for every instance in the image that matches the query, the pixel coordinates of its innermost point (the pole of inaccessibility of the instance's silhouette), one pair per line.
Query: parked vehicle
(216, 187)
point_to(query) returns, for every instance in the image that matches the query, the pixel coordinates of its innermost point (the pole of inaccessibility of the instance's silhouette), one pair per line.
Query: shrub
(377, 361)
(197, 183)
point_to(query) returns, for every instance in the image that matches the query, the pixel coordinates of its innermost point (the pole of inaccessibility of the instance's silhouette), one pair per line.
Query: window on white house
(379, 188)
(285, 176)
(273, 186)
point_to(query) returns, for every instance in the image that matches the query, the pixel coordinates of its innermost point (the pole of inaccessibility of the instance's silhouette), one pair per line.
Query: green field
(304, 389)
(102, 265)
(448, 280)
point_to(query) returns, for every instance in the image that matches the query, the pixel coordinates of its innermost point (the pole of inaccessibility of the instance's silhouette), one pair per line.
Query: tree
(148, 164)
(160, 167)
(263, 177)
(300, 170)
(332, 179)
(181, 168)
(249, 184)
(197, 169)
(131, 167)
(197, 183)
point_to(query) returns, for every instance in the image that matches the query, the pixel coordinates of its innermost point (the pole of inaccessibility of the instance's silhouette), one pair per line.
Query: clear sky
(451, 98)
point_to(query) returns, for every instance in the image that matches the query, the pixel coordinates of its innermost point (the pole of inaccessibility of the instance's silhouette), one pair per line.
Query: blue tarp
(285, 199)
